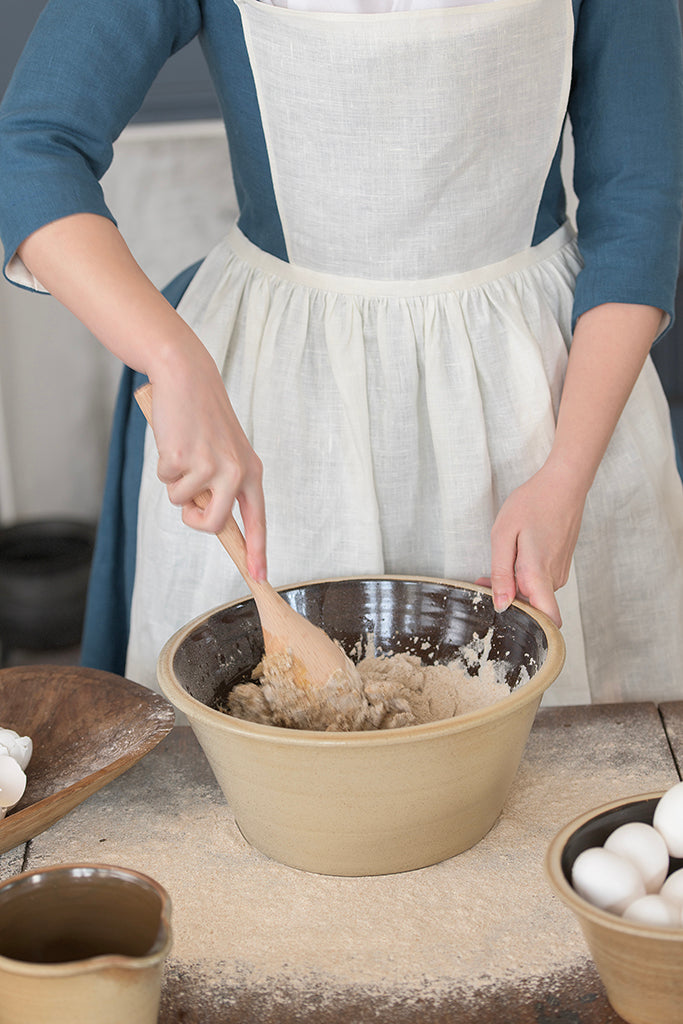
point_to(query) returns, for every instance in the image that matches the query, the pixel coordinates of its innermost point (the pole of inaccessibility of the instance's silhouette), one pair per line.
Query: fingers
(253, 511)
(517, 570)
(538, 591)
(542, 596)
(210, 517)
(186, 490)
(533, 540)
(503, 558)
(538, 588)
(208, 508)
(208, 490)
(205, 497)
(205, 459)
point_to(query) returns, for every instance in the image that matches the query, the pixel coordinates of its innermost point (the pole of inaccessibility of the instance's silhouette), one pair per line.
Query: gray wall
(182, 91)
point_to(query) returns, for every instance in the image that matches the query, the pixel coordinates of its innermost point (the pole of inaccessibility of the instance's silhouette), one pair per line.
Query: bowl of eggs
(379, 800)
(619, 869)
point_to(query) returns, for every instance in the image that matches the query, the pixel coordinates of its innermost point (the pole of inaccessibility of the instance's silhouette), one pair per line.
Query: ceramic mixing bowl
(82, 944)
(640, 966)
(365, 803)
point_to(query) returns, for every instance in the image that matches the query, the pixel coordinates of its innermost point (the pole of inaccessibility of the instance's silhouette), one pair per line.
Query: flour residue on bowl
(393, 691)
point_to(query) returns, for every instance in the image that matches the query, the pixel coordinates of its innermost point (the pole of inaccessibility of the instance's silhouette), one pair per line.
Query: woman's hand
(533, 540)
(202, 447)
(536, 530)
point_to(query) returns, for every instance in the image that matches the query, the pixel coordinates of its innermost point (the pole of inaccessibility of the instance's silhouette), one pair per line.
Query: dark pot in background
(44, 570)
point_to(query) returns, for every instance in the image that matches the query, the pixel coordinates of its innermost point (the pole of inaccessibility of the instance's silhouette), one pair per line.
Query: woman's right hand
(202, 447)
(85, 263)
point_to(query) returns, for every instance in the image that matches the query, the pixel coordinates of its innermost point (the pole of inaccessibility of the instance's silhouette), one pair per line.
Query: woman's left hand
(533, 541)
(535, 532)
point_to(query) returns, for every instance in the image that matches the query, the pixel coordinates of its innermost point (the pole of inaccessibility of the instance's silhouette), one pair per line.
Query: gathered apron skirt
(392, 423)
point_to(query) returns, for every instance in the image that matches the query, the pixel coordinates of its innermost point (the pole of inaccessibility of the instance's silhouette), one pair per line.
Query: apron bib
(401, 374)
(410, 145)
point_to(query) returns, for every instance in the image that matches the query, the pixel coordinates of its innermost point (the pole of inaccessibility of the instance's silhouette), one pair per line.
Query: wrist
(173, 352)
(570, 473)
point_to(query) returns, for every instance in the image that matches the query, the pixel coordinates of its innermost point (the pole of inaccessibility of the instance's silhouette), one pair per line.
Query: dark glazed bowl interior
(75, 912)
(596, 831)
(396, 614)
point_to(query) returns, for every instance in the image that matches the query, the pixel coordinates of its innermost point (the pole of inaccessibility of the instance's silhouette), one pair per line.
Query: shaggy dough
(393, 691)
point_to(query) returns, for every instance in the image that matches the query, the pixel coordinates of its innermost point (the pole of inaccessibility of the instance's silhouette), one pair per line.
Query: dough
(394, 690)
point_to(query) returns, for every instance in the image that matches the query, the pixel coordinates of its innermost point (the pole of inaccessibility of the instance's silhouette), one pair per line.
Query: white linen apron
(401, 375)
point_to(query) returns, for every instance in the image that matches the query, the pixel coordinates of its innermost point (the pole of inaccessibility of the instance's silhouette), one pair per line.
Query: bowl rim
(581, 907)
(525, 694)
(157, 952)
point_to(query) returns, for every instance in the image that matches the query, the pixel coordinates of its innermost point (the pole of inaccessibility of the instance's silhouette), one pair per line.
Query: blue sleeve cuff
(37, 206)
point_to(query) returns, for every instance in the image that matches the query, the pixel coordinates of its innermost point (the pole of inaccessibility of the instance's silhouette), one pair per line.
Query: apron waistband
(314, 279)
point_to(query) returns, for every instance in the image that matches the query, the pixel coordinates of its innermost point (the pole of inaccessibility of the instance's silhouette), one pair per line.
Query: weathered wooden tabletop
(478, 939)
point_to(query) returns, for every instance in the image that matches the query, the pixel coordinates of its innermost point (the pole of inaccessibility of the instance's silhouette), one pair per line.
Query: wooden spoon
(315, 657)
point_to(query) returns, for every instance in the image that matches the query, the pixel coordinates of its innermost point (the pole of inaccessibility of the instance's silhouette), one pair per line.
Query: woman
(392, 315)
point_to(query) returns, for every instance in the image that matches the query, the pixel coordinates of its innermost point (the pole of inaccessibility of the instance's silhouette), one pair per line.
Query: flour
(393, 691)
(256, 940)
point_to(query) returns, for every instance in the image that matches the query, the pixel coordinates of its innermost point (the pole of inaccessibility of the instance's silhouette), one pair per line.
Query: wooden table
(478, 939)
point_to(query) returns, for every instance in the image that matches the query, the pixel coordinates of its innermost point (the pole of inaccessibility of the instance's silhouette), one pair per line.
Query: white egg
(12, 781)
(672, 890)
(606, 879)
(645, 848)
(18, 747)
(668, 819)
(655, 910)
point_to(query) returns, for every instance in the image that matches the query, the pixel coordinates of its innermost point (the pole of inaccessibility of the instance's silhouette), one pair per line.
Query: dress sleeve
(626, 111)
(84, 73)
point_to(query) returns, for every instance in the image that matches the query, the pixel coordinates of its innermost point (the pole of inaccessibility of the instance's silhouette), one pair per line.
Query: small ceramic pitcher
(82, 944)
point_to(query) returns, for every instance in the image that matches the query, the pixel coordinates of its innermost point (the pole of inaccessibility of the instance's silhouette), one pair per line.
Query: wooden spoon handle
(230, 536)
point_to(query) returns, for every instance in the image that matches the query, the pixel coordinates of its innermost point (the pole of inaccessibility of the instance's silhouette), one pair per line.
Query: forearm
(609, 348)
(84, 262)
(86, 265)
(536, 530)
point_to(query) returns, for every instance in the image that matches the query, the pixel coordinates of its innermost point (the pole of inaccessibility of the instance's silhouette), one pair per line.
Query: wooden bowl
(87, 727)
(640, 966)
(365, 803)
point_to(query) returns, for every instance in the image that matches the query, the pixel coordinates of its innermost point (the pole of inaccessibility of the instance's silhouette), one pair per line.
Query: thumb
(541, 595)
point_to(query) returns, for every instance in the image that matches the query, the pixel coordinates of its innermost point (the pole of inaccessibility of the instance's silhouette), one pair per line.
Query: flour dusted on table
(396, 690)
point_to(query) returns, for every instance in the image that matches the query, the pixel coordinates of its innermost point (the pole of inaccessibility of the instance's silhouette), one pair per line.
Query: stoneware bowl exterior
(365, 803)
(82, 944)
(640, 966)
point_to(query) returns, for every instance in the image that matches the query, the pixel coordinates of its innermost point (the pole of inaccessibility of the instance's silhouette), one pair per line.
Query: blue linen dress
(626, 85)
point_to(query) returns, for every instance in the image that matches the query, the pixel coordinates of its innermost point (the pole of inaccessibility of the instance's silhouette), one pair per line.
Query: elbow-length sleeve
(626, 111)
(84, 73)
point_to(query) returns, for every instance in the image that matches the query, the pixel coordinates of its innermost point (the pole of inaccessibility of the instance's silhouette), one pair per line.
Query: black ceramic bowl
(395, 614)
(641, 966)
(600, 826)
(44, 570)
